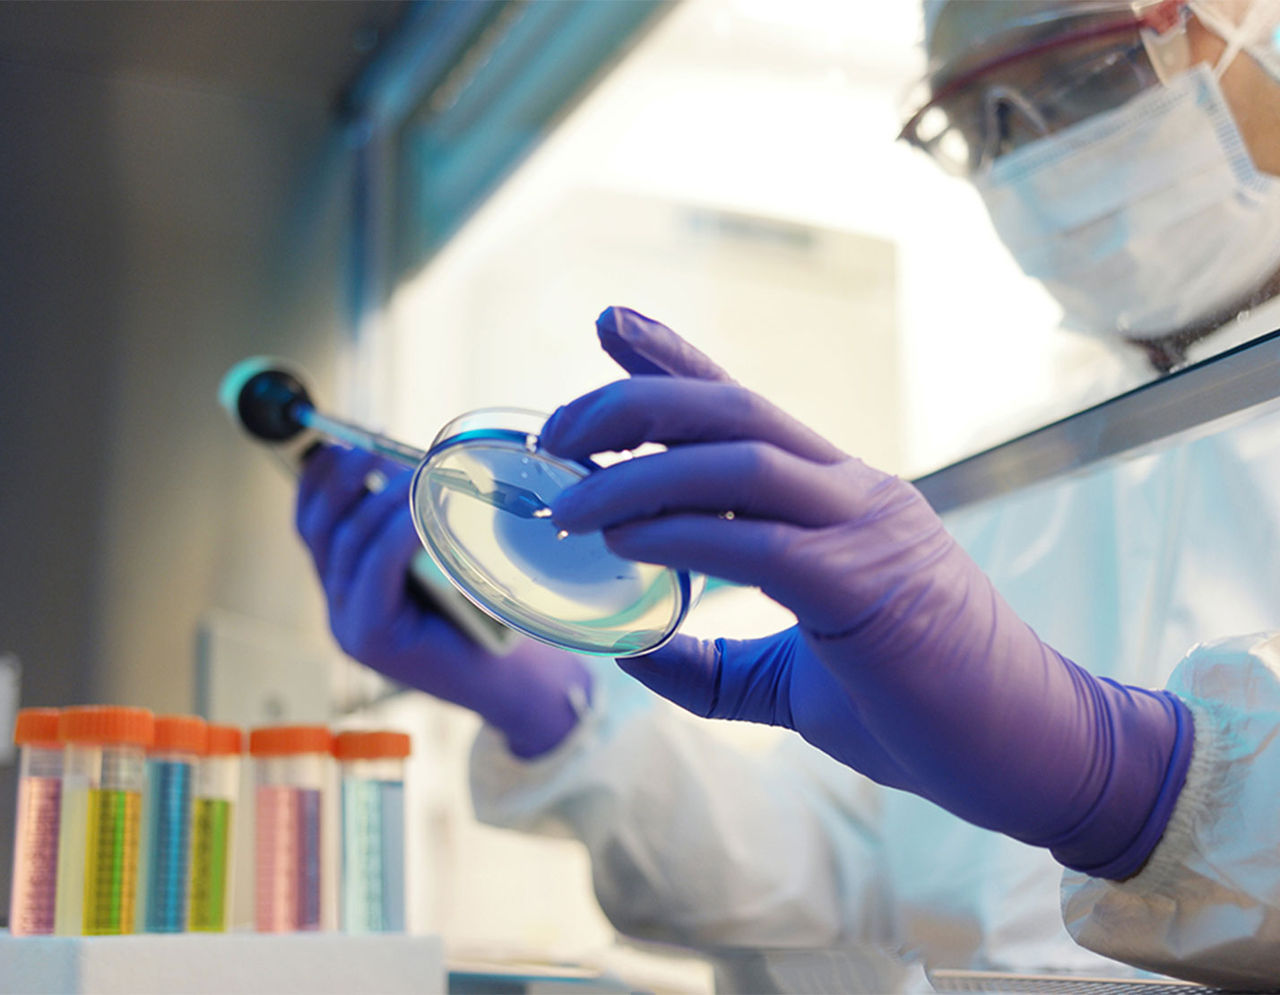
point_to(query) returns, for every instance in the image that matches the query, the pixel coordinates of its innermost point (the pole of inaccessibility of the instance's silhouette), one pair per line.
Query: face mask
(1143, 220)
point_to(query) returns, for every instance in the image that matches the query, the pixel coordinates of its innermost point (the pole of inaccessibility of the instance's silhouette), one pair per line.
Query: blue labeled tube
(172, 764)
(373, 864)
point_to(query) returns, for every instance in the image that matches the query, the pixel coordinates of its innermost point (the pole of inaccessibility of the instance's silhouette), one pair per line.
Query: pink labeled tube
(291, 769)
(35, 843)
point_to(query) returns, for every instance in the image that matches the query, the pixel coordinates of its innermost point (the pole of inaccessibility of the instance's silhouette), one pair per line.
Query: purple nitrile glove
(362, 544)
(906, 663)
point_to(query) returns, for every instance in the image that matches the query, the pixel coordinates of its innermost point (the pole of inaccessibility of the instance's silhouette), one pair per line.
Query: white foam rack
(230, 963)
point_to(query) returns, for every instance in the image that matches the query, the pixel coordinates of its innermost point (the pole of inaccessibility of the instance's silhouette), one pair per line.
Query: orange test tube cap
(108, 725)
(36, 727)
(225, 741)
(372, 745)
(181, 734)
(279, 741)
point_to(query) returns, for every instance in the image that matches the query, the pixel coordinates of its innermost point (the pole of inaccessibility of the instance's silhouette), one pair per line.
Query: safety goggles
(1042, 75)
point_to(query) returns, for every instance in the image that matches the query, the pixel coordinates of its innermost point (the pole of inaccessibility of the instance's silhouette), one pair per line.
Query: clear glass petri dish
(481, 501)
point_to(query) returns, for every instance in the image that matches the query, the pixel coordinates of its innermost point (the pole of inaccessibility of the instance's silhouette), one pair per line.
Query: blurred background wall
(174, 195)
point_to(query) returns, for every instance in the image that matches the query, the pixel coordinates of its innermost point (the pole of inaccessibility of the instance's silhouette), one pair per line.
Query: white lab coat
(1123, 568)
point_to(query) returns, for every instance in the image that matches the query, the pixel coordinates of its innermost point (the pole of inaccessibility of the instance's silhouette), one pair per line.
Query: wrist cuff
(1134, 854)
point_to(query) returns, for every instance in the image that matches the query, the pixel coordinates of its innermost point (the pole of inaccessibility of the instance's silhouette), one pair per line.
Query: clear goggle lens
(1021, 94)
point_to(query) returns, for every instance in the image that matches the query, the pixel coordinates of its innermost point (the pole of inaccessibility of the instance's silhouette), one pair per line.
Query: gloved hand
(362, 544)
(906, 664)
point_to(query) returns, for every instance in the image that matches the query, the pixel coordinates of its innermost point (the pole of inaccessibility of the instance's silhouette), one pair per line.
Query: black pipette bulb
(265, 398)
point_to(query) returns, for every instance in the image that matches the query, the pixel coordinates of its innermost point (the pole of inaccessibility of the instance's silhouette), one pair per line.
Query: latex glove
(906, 664)
(362, 544)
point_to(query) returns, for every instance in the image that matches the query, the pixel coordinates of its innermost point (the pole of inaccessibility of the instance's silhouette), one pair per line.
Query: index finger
(674, 410)
(644, 347)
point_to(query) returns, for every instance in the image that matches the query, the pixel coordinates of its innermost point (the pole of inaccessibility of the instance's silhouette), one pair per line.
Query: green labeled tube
(212, 818)
(104, 772)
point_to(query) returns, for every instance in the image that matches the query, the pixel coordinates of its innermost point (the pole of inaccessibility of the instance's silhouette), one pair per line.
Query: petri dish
(480, 503)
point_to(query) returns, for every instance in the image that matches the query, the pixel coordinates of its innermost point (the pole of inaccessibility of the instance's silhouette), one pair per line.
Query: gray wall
(155, 230)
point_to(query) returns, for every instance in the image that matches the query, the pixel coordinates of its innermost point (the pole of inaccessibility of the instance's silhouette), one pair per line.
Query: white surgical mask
(1143, 220)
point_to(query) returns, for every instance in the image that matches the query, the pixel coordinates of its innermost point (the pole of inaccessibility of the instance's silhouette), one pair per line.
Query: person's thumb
(747, 679)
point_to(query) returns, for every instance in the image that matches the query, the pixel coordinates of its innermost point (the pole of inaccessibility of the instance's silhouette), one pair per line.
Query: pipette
(271, 403)
(480, 501)
(267, 399)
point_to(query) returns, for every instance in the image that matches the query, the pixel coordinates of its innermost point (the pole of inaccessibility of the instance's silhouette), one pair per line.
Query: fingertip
(549, 437)
(607, 320)
(316, 471)
(628, 337)
(321, 452)
(609, 335)
(643, 668)
(566, 508)
(317, 465)
(675, 650)
(682, 671)
(616, 319)
(563, 433)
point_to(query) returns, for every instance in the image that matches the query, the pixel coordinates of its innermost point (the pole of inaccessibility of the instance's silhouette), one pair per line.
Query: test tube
(176, 749)
(291, 765)
(217, 786)
(372, 772)
(103, 772)
(35, 838)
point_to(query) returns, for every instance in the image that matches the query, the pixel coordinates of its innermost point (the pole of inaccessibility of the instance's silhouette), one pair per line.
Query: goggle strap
(1237, 36)
(1260, 23)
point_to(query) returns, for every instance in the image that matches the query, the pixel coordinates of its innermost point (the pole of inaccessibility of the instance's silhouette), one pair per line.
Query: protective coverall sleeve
(692, 840)
(1206, 906)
